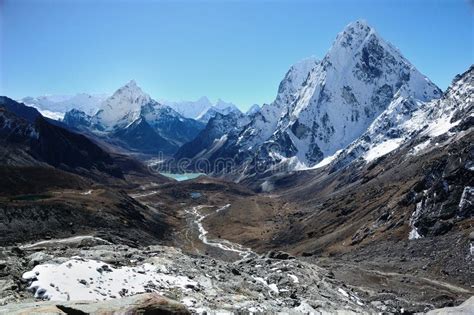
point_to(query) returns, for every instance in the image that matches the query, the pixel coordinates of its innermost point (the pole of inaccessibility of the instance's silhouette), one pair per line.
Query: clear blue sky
(235, 50)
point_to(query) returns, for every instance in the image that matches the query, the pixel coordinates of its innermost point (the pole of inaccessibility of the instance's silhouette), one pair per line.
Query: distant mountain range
(202, 109)
(361, 101)
(56, 106)
(132, 120)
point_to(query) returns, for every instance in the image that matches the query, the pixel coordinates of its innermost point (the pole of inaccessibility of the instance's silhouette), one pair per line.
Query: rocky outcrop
(201, 283)
(148, 303)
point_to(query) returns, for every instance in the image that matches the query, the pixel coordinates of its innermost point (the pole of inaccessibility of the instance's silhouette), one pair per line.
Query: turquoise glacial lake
(183, 176)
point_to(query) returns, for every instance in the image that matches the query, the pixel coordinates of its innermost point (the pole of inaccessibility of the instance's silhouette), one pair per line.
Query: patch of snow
(223, 208)
(305, 308)
(420, 147)
(146, 194)
(327, 160)
(467, 197)
(382, 149)
(294, 278)
(274, 288)
(50, 114)
(440, 126)
(81, 279)
(267, 186)
(343, 292)
(413, 235)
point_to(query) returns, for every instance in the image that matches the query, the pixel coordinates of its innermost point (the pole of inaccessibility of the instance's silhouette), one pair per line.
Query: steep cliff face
(264, 123)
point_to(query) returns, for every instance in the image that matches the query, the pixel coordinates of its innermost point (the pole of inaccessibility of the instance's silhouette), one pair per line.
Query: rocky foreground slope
(89, 268)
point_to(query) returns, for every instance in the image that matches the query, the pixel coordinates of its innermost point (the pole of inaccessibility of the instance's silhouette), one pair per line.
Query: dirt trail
(443, 284)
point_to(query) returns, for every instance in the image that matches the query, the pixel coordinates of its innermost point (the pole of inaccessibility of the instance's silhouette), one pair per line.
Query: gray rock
(149, 303)
(38, 258)
(279, 255)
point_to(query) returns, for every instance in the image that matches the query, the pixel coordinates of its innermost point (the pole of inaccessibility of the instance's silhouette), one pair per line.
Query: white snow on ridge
(55, 106)
(223, 208)
(190, 109)
(265, 122)
(201, 109)
(414, 234)
(382, 149)
(420, 147)
(407, 118)
(49, 114)
(253, 109)
(326, 161)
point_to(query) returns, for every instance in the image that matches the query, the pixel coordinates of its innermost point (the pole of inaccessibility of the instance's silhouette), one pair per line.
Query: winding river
(222, 244)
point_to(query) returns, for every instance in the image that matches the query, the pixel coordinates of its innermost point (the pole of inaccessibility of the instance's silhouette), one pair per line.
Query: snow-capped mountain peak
(132, 92)
(355, 82)
(124, 106)
(323, 106)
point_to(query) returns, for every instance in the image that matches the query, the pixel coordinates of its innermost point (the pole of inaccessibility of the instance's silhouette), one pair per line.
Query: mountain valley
(352, 192)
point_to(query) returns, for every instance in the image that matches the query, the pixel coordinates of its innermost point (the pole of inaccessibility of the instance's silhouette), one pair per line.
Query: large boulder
(148, 303)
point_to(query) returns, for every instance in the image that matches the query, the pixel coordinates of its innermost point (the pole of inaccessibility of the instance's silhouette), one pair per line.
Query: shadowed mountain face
(142, 137)
(48, 143)
(57, 182)
(30, 140)
(212, 142)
